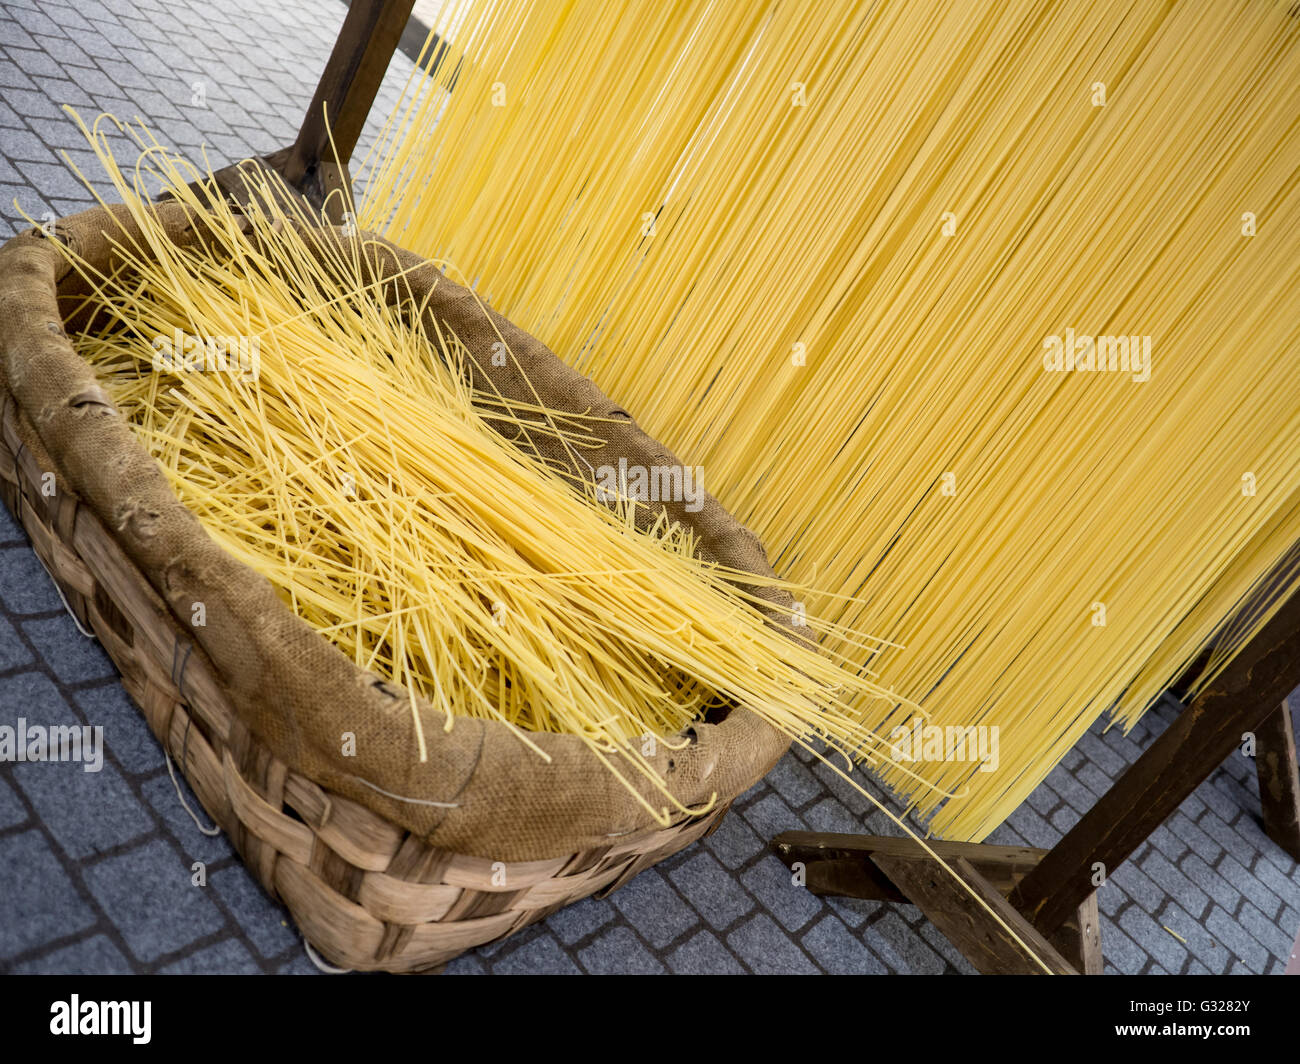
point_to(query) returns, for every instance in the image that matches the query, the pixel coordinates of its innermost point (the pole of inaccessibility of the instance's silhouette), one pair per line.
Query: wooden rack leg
(1192, 747)
(365, 45)
(370, 34)
(1057, 890)
(1279, 779)
(882, 868)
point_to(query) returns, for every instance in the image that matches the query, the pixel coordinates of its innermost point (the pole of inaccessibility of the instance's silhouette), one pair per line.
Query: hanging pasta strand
(847, 256)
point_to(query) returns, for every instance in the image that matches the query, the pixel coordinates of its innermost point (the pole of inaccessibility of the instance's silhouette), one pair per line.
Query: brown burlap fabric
(481, 792)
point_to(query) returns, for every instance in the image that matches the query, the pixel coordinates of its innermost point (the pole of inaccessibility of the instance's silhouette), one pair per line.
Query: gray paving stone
(1033, 827)
(113, 31)
(703, 954)
(1006, 835)
(1192, 807)
(1253, 886)
(87, 812)
(1064, 819)
(25, 587)
(1224, 805)
(24, 144)
(228, 957)
(1200, 843)
(1127, 747)
(856, 802)
(12, 811)
(1289, 922)
(1174, 883)
(1265, 849)
(51, 179)
(832, 815)
(12, 32)
(794, 782)
(1079, 797)
(1111, 899)
(71, 19)
(33, 696)
(13, 652)
(656, 911)
(266, 924)
(575, 922)
(1101, 755)
(34, 21)
(1121, 953)
(299, 964)
(944, 948)
(136, 888)
(1092, 777)
(1200, 943)
(126, 734)
(1251, 955)
(916, 954)
(1153, 938)
(733, 843)
(769, 816)
(34, 107)
(542, 954)
(1167, 842)
(41, 904)
(767, 950)
(709, 887)
(1244, 798)
(65, 51)
(30, 205)
(770, 882)
(91, 956)
(616, 952)
(1286, 887)
(73, 657)
(12, 76)
(465, 964)
(1044, 799)
(149, 101)
(1210, 881)
(10, 533)
(837, 951)
(1227, 837)
(1266, 931)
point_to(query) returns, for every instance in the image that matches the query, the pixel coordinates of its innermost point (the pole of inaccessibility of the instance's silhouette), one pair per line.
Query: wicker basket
(366, 890)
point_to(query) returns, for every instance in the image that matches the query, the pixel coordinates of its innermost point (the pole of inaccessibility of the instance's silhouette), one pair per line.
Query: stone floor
(95, 868)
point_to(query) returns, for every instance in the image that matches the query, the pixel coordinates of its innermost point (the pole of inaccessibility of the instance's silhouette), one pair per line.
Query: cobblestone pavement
(95, 867)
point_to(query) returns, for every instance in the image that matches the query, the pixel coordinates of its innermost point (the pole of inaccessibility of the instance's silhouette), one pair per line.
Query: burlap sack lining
(482, 792)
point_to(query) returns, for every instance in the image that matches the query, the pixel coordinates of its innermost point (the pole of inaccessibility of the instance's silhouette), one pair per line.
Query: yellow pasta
(833, 250)
(342, 456)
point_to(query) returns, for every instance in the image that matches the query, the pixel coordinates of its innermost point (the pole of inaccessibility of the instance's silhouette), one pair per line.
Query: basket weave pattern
(366, 893)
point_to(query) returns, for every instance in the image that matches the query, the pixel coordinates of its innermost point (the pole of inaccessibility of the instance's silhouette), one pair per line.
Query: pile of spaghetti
(336, 449)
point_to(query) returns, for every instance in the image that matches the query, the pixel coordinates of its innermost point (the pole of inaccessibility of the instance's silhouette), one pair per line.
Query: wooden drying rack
(1046, 897)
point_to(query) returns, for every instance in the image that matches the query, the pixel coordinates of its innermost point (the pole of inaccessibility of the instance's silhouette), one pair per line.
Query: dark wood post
(1279, 779)
(1193, 746)
(370, 33)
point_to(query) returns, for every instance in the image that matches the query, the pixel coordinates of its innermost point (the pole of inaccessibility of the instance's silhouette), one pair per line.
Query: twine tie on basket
(413, 801)
(179, 681)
